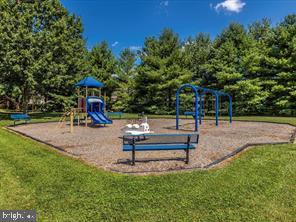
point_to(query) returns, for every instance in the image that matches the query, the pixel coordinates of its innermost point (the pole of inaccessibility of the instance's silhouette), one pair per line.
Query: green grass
(55, 116)
(257, 186)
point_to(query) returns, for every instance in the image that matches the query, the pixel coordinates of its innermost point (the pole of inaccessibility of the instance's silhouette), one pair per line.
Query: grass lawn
(260, 185)
(56, 116)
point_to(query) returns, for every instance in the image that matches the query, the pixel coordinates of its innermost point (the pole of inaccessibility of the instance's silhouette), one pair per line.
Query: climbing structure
(199, 94)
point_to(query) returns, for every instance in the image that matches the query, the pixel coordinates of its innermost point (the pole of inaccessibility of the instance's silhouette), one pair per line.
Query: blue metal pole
(177, 110)
(230, 109)
(200, 108)
(217, 108)
(196, 110)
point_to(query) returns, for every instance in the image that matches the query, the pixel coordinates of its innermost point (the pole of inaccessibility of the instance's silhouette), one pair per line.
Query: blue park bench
(189, 114)
(159, 142)
(119, 114)
(19, 117)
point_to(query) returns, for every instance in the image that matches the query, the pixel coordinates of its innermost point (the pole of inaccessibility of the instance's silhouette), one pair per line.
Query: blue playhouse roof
(89, 82)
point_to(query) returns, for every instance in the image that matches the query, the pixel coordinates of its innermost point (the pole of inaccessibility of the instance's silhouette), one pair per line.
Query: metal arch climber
(196, 104)
(199, 92)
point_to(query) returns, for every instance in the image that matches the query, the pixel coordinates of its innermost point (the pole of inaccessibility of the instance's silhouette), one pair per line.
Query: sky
(126, 23)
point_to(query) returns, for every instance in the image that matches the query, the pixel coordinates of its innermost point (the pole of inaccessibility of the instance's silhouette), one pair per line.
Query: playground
(87, 132)
(139, 111)
(102, 146)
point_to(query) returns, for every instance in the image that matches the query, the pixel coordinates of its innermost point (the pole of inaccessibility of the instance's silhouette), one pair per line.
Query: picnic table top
(19, 116)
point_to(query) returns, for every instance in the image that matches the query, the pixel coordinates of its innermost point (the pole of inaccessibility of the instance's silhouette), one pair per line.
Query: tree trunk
(10, 103)
(170, 105)
(25, 99)
(7, 104)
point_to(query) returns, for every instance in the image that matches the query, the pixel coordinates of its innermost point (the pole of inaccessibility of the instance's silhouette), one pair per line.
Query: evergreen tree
(161, 72)
(42, 55)
(197, 52)
(127, 65)
(281, 62)
(103, 66)
(229, 72)
(254, 62)
(126, 81)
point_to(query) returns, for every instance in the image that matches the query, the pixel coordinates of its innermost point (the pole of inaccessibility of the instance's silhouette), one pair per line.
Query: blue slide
(104, 118)
(99, 118)
(97, 105)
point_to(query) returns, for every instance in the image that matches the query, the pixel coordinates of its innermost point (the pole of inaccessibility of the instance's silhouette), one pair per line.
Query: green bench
(119, 114)
(159, 142)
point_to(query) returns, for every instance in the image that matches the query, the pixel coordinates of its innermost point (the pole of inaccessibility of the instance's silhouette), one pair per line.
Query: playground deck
(102, 146)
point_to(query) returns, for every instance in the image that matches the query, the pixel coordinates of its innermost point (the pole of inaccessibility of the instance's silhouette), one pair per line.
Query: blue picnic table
(19, 117)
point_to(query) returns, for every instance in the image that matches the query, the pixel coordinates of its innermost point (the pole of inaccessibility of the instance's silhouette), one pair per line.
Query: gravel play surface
(102, 146)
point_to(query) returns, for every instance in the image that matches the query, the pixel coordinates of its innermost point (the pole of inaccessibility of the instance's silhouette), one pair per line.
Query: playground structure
(88, 106)
(199, 94)
(95, 109)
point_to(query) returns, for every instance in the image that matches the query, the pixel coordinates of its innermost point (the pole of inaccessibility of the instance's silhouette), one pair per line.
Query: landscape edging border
(40, 141)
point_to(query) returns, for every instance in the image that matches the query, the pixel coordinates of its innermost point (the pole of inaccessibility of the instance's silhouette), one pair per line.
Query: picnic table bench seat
(190, 113)
(19, 117)
(187, 113)
(160, 142)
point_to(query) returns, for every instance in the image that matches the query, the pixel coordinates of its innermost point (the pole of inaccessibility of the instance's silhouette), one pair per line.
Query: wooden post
(71, 121)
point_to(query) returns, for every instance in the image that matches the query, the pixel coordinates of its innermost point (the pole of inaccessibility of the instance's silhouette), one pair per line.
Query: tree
(127, 64)
(103, 66)
(227, 65)
(161, 71)
(126, 80)
(198, 51)
(254, 62)
(260, 30)
(281, 62)
(41, 51)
